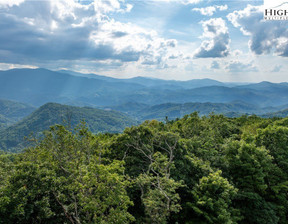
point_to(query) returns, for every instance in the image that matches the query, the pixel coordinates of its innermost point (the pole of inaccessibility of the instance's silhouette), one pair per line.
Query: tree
(212, 200)
(158, 190)
(248, 168)
(149, 151)
(275, 139)
(65, 180)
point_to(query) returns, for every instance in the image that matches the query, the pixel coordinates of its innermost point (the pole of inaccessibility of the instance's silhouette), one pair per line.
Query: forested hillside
(194, 170)
(13, 137)
(11, 112)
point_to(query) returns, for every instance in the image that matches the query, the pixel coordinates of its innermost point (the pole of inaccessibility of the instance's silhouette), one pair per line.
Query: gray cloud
(266, 36)
(38, 31)
(237, 66)
(118, 34)
(217, 45)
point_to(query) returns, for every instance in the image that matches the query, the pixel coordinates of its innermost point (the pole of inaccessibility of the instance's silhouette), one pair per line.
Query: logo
(276, 9)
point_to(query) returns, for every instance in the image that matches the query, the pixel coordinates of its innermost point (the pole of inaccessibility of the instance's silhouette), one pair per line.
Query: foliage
(158, 190)
(213, 198)
(194, 170)
(64, 180)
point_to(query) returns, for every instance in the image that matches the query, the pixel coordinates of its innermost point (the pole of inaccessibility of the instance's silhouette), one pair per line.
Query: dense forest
(210, 169)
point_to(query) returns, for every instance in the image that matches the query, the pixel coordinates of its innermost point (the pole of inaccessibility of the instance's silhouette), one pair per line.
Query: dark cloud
(38, 31)
(118, 34)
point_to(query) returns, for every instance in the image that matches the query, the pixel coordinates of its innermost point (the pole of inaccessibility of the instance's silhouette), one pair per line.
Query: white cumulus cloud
(185, 2)
(265, 36)
(210, 10)
(10, 3)
(217, 40)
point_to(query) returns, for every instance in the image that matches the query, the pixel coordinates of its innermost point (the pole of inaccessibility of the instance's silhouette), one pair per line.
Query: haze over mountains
(141, 98)
(39, 86)
(136, 99)
(176, 110)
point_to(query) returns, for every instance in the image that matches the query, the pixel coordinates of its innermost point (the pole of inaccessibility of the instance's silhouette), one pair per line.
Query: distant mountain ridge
(282, 114)
(175, 110)
(154, 82)
(39, 86)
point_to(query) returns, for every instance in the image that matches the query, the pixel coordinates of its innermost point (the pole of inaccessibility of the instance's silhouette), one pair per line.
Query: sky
(166, 39)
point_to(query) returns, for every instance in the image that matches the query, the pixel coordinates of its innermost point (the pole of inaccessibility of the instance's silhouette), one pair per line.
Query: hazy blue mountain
(213, 94)
(15, 110)
(267, 86)
(174, 110)
(11, 112)
(89, 75)
(129, 107)
(170, 84)
(12, 138)
(39, 86)
(282, 113)
(154, 82)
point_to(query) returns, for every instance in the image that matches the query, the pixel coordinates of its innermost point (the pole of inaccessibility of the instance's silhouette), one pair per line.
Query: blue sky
(167, 39)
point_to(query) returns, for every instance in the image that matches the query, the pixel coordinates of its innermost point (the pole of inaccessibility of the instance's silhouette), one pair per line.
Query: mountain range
(175, 110)
(39, 86)
(109, 105)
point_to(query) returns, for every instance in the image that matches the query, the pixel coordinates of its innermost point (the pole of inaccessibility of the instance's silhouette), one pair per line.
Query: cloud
(237, 66)
(4, 66)
(217, 45)
(10, 3)
(215, 65)
(222, 7)
(185, 2)
(277, 68)
(236, 53)
(38, 31)
(210, 10)
(266, 36)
